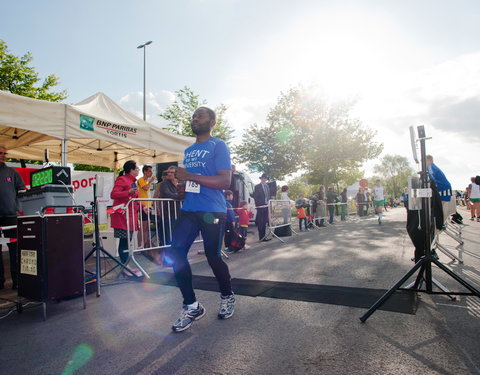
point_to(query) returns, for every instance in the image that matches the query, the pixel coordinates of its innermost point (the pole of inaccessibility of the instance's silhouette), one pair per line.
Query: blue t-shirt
(443, 185)
(206, 158)
(230, 213)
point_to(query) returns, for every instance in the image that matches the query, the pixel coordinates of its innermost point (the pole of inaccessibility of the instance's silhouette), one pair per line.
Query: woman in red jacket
(124, 189)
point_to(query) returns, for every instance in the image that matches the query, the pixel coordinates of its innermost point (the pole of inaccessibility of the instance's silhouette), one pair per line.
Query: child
(300, 205)
(244, 217)
(230, 222)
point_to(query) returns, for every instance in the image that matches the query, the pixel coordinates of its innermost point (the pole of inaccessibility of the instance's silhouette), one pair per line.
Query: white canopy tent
(95, 131)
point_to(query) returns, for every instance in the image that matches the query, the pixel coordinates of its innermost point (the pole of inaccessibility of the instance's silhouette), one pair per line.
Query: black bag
(457, 218)
(237, 242)
(285, 231)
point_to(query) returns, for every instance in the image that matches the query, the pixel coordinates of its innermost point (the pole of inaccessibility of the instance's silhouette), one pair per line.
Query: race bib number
(192, 187)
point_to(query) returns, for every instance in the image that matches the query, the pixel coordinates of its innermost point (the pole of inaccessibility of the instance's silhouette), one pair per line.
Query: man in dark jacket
(10, 184)
(261, 195)
(360, 198)
(331, 198)
(168, 210)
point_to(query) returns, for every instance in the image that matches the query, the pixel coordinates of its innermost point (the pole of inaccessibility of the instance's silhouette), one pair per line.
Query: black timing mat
(401, 301)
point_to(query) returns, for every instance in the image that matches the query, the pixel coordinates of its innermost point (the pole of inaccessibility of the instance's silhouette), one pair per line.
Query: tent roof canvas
(98, 131)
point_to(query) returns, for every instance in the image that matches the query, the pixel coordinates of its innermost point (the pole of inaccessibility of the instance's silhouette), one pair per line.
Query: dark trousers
(320, 222)
(228, 234)
(123, 245)
(211, 225)
(304, 220)
(331, 211)
(261, 220)
(12, 250)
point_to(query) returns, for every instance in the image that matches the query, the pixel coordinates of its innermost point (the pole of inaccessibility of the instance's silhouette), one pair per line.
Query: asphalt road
(127, 329)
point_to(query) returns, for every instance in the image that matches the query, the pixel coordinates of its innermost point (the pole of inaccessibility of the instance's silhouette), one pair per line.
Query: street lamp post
(144, 45)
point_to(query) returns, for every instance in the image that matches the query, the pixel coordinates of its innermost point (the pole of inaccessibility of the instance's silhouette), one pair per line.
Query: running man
(207, 170)
(379, 200)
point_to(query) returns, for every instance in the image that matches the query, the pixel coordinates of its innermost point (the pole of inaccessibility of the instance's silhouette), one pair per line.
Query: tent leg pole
(64, 152)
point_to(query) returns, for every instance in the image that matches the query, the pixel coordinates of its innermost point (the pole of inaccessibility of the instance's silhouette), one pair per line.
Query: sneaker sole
(223, 317)
(175, 329)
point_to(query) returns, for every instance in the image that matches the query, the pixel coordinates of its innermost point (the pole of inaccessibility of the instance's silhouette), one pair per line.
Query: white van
(244, 186)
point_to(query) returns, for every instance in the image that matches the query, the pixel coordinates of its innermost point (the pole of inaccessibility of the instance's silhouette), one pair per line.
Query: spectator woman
(286, 211)
(360, 199)
(474, 198)
(124, 189)
(344, 201)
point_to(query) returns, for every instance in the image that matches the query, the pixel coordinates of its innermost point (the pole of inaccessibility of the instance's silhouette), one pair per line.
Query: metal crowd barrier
(279, 214)
(452, 230)
(155, 228)
(6, 240)
(321, 212)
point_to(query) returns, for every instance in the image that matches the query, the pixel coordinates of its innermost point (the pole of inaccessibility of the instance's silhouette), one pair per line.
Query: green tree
(179, 115)
(17, 77)
(276, 148)
(306, 132)
(394, 169)
(95, 168)
(338, 144)
(299, 185)
(270, 150)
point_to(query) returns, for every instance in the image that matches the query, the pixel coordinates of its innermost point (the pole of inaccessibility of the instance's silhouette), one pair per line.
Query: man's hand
(220, 181)
(182, 174)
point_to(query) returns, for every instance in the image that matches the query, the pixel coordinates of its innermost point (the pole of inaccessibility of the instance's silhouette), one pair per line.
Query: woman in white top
(287, 211)
(474, 198)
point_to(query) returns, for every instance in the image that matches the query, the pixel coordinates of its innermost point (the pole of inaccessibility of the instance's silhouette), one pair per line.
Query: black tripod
(97, 248)
(425, 263)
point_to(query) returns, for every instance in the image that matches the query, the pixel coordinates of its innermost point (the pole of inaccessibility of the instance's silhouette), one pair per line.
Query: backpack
(237, 242)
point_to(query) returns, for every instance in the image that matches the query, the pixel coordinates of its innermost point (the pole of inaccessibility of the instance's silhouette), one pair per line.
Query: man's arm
(144, 183)
(19, 185)
(220, 181)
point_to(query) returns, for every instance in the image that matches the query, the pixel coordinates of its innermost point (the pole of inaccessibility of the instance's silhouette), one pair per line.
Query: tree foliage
(94, 168)
(179, 115)
(307, 132)
(299, 185)
(394, 169)
(17, 77)
(269, 149)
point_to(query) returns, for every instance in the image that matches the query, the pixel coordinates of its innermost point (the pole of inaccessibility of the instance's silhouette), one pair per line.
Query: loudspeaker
(50, 256)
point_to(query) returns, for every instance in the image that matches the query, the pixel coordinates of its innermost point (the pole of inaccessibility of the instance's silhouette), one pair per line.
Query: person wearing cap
(10, 184)
(261, 195)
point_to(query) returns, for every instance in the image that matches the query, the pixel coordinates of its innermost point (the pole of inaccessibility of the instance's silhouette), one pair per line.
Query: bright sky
(410, 62)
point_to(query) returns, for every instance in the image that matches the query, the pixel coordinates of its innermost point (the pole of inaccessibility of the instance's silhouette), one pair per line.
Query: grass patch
(90, 228)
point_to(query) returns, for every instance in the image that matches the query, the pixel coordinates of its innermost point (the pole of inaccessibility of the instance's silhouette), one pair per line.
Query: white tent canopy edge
(96, 131)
